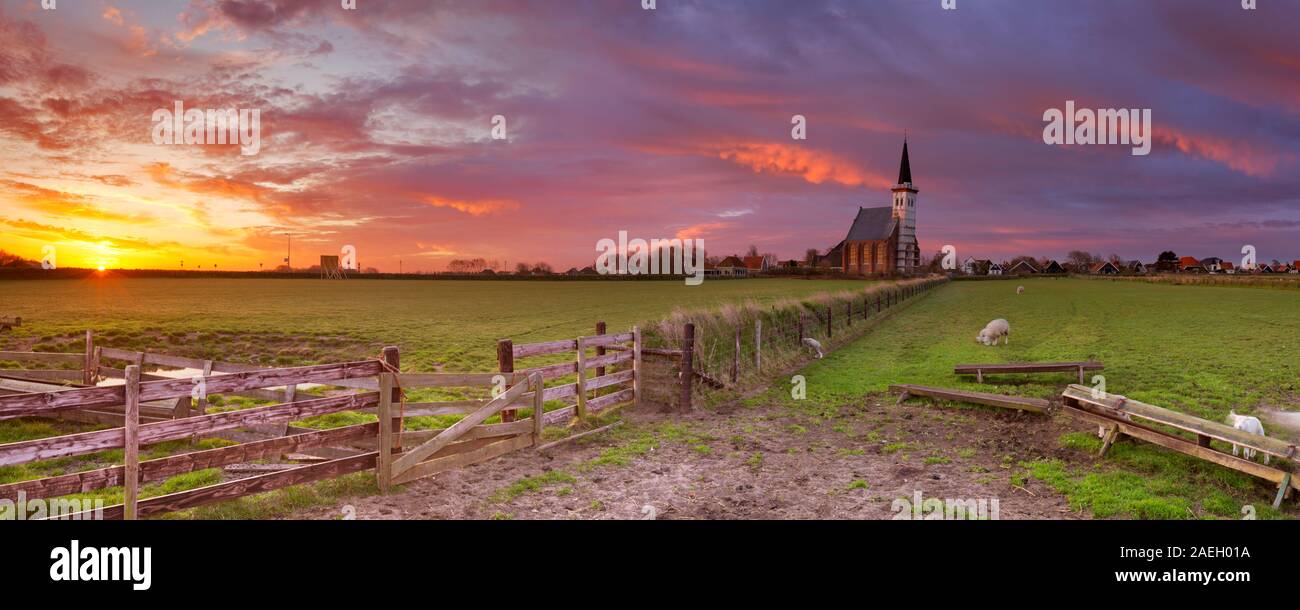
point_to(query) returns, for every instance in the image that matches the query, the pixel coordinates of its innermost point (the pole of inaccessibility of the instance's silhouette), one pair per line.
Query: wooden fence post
(131, 447)
(539, 406)
(637, 370)
(88, 375)
(506, 365)
(830, 321)
(877, 303)
(201, 405)
(393, 359)
(384, 461)
(600, 351)
(687, 366)
(735, 359)
(849, 318)
(758, 344)
(800, 327)
(581, 379)
(392, 394)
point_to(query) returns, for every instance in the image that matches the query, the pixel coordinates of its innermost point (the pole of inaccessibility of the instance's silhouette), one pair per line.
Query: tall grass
(831, 318)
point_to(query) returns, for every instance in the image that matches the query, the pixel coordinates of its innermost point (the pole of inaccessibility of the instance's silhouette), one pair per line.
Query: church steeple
(905, 169)
(908, 254)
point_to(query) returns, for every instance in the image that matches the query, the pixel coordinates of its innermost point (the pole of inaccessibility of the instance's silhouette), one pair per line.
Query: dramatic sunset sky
(667, 122)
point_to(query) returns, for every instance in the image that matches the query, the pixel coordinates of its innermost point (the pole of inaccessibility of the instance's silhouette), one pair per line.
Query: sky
(377, 127)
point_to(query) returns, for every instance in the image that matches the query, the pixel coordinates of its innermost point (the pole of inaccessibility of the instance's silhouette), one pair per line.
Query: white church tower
(908, 257)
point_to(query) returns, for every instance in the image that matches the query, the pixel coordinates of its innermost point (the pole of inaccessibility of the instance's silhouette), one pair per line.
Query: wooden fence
(150, 409)
(595, 357)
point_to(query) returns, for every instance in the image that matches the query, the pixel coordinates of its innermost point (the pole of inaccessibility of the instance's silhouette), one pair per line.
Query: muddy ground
(740, 462)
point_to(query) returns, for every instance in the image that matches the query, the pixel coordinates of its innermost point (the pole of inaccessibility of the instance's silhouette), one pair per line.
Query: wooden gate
(466, 442)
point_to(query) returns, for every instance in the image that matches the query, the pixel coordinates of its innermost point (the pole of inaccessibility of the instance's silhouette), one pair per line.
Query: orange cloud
(701, 230)
(64, 204)
(1235, 154)
(481, 207)
(813, 166)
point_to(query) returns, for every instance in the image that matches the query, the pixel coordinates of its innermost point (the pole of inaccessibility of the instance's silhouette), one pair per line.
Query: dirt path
(765, 462)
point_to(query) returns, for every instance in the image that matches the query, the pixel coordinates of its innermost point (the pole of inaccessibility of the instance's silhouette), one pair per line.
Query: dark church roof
(905, 170)
(871, 224)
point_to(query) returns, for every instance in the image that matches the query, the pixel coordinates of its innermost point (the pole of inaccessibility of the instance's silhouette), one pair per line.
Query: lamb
(994, 330)
(1020, 289)
(1246, 423)
(815, 344)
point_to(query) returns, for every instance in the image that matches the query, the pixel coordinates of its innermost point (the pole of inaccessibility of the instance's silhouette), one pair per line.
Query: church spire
(905, 170)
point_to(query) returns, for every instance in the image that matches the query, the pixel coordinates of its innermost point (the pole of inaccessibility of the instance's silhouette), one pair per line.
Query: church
(883, 239)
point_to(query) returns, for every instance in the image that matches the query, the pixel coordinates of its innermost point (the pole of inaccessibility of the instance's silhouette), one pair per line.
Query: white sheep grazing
(993, 331)
(1249, 424)
(815, 344)
(1020, 289)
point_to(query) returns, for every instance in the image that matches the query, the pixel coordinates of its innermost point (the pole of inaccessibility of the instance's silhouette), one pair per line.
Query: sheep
(1020, 289)
(994, 330)
(1249, 424)
(815, 344)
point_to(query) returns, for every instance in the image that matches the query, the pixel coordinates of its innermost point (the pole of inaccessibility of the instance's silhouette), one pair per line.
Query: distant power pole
(288, 250)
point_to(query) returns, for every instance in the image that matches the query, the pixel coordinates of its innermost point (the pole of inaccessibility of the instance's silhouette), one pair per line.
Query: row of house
(1188, 264)
(974, 266)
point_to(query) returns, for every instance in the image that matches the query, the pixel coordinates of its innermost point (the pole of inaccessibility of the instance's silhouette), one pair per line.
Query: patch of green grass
(755, 461)
(631, 442)
(531, 484)
(285, 501)
(859, 484)
(1147, 483)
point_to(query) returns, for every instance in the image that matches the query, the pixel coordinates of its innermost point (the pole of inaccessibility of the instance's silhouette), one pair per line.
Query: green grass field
(1197, 349)
(452, 324)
